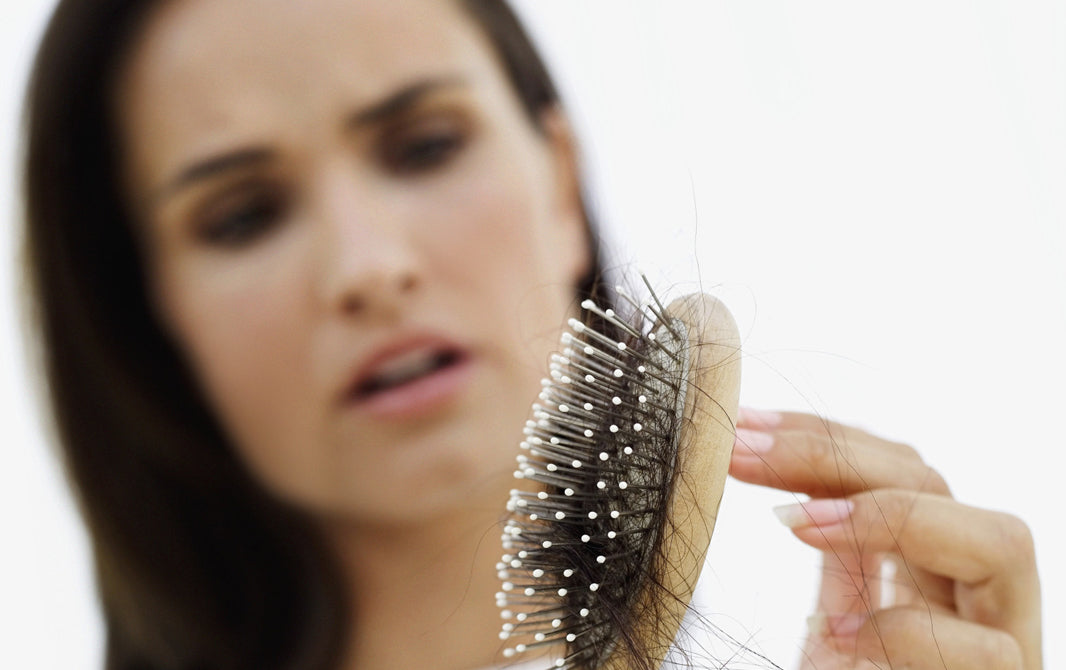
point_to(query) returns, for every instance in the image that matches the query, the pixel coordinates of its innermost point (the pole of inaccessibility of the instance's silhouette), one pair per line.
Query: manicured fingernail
(816, 625)
(752, 441)
(825, 512)
(844, 625)
(759, 417)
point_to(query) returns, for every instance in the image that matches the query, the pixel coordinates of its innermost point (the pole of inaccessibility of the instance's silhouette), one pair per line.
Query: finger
(903, 584)
(910, 637)
(989, 554)
(769, 421)
(854, 574)
(850, 582)
(820, 465)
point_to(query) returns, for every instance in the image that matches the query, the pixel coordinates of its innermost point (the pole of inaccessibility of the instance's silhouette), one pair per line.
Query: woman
(297, 274)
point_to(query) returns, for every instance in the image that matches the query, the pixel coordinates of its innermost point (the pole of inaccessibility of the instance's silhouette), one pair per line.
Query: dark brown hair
(198, 566)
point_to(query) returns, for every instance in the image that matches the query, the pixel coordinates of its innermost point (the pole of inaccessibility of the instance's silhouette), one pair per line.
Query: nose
(369, 266)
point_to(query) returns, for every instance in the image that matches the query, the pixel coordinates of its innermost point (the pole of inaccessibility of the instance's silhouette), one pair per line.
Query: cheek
(241, 324)
(500, 229)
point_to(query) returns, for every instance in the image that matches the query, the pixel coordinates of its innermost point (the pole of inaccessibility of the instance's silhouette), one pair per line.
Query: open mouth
(404, 371)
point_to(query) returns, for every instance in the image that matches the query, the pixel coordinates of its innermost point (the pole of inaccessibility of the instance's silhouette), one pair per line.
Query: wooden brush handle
(707, 436)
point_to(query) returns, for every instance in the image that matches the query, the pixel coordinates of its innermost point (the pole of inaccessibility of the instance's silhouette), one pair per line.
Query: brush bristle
(597, 464)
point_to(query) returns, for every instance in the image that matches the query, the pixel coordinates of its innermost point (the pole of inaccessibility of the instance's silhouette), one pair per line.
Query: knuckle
(931, 481)
(820, 451)
(907, 451)
(892, 506)
(1002, 651)
(1016, 541)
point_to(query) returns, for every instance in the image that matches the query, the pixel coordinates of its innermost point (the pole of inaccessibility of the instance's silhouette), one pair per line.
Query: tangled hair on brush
(608, 526)
(197, 566)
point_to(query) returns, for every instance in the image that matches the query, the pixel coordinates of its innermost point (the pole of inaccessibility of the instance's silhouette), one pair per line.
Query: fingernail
(753, 441)
(824, 512)
(817, 625)
(844, 625)
(759, 417)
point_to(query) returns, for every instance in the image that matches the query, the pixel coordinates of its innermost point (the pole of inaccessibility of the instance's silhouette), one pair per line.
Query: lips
(405, 368)
(408, 377)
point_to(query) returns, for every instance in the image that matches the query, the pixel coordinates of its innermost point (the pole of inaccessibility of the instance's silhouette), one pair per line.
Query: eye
(238, 219)
(422, 148)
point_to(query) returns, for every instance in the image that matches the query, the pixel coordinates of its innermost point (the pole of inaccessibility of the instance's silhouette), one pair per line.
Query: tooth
(405, 367)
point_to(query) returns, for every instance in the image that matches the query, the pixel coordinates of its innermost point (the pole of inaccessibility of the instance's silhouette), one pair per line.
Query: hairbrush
(621, 470)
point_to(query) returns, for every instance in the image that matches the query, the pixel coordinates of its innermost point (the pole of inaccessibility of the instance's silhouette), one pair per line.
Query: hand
(965, 592)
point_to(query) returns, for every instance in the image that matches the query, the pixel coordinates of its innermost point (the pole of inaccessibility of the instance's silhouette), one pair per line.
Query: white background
(878, 191)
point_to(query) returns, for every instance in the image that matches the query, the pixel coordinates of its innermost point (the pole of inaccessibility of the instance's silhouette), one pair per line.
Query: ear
(569, 210)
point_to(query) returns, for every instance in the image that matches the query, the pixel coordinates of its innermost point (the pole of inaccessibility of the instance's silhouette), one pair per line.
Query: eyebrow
(392, 106)
(402, 100)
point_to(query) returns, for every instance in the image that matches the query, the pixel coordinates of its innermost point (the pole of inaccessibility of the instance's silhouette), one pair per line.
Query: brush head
(587, 545)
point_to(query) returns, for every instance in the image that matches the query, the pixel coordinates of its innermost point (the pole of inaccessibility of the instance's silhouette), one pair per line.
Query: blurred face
(357, 237)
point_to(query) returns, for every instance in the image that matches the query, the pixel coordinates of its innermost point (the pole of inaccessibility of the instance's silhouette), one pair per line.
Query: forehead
(204, 69)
